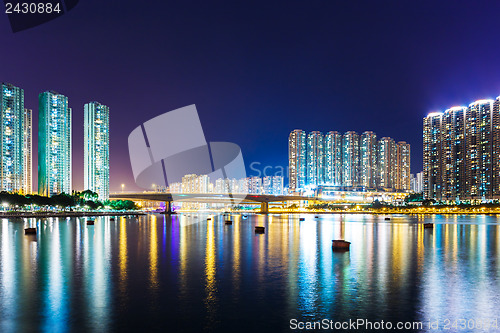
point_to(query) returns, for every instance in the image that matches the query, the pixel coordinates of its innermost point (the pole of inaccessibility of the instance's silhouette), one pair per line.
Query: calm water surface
(187, 274)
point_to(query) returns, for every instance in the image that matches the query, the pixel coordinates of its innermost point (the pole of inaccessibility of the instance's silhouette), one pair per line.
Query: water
(187, 274)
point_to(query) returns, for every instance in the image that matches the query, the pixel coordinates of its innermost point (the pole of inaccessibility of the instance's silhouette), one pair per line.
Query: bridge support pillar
(168, 207)
(264, 207)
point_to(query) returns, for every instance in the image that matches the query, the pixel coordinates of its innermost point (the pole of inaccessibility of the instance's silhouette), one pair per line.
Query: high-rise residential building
(432, 155)
(402, 180)
(96, 152)
(243, 185)
(333, 158)
(387, 163)
(267, 185)
(54, 144)
(350, 159)
(453, 153)
(462, 152)
(277, 185)
(315, 159)
(478, 141)
(27, 187)
(368, 160)
(496, 146)
(255, 185)
(417, 182)
(12, 140)
(189, 183)
(297, 160)
(335, 161)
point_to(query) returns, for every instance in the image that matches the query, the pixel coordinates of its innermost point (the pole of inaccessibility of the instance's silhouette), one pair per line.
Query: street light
(123, 186)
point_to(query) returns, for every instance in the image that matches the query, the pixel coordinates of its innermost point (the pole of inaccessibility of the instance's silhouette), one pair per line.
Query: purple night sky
(257, 70)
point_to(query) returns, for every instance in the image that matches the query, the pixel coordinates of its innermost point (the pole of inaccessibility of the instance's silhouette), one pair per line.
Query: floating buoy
(244, 216)
(30, 231)
(428, 225)
(260, 230)
(340, 245)
(229, 222)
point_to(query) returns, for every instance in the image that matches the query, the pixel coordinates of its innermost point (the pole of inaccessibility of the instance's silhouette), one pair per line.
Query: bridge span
(168, 198)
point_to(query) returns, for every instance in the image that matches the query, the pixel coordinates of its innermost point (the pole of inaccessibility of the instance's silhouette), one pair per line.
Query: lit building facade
(333, 158)
(368, 160)
(297, 160)
(417, 183)
(453, 153)
(315, 159)
(54, 144)
(255, 185)
(387, 163)
(277, 185)
(402, 166)
(349, 162)
(462, 152)
(267, 185)
(96, 152)
(12, 141)
(350, 159)
(27, 187)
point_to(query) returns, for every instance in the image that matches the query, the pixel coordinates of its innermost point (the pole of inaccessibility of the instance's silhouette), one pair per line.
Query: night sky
(257, 70)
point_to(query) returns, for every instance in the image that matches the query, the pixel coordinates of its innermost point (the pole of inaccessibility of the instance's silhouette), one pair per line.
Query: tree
(63, 200)
(88, 195)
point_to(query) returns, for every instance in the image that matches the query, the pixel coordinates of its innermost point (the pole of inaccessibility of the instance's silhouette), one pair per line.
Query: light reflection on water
(188, 274)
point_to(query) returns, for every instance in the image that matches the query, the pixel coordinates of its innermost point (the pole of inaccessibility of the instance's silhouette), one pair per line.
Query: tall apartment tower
(54, 144)
(96, 149)
(387, 163)
(479, 145)
(368, 160)
(333, 158)
(432, 155)
(11, 138)
(27, 187)
(350, 159)
(462, 152)
(496, 147)
(402, 166)
(297, 160)
(315, 159)
(453, 153)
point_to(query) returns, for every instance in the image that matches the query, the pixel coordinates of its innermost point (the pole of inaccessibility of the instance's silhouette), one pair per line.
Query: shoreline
(347, 212)
(66, 214)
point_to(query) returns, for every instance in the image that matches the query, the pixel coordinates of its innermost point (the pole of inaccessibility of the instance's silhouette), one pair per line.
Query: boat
(340, 245)
(260, 230)
(228, 222)
(428, 225)
(30, 231)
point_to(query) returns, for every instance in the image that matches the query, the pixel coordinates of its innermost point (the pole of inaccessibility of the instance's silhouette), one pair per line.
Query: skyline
(348, 161)
(320, 59)
(461, 149)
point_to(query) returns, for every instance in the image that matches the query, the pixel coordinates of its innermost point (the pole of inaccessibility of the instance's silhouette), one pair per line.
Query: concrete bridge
(168, 198)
